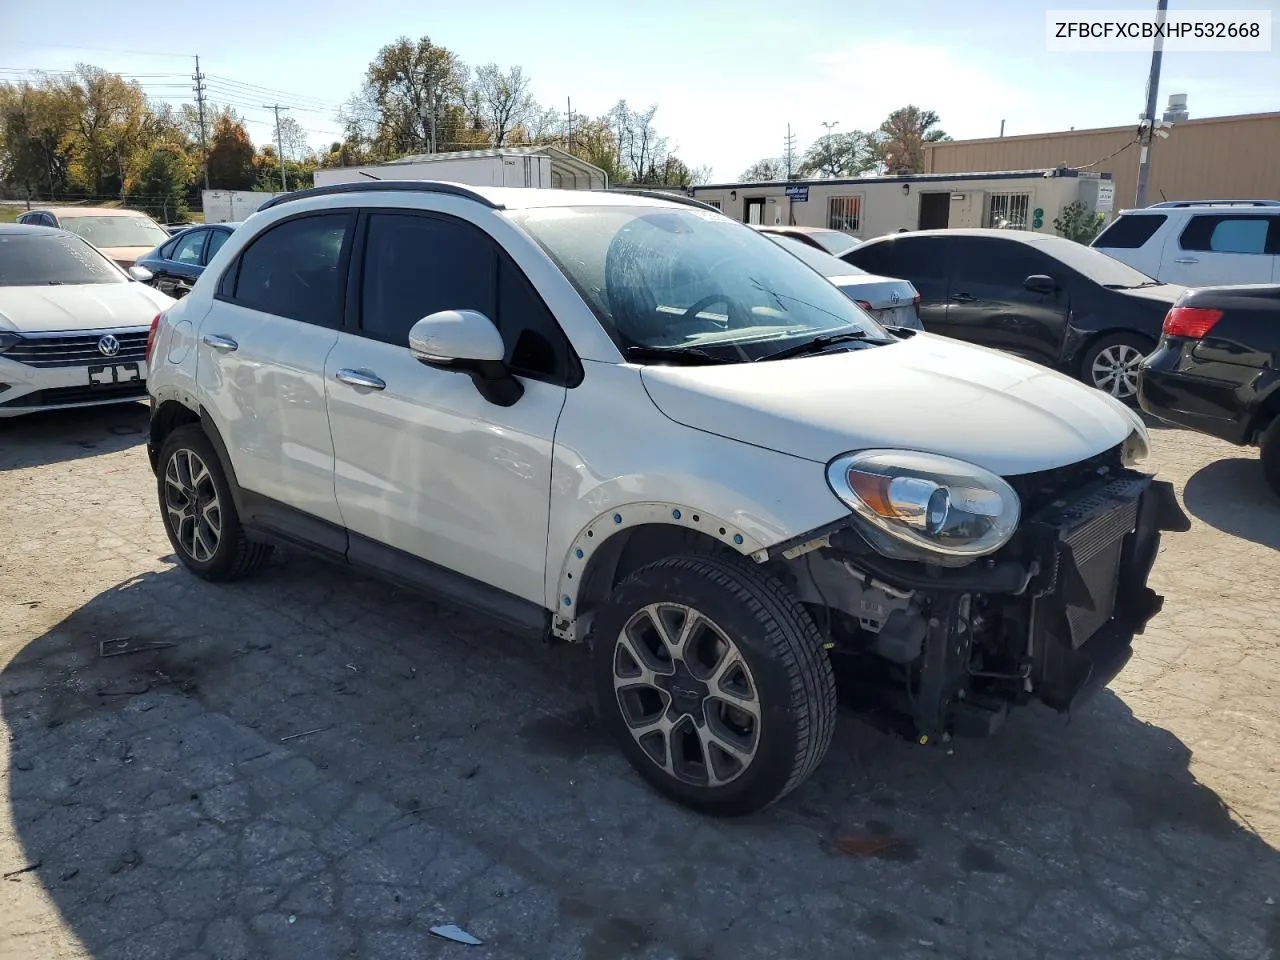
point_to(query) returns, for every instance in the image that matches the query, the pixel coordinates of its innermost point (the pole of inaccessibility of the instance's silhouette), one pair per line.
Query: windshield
(664, 278)
(1095, 265)
(116, 231)
(37, 260)
(835, 242)
(824, 263)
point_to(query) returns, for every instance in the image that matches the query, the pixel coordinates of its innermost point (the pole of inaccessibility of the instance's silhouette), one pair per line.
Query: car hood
(925, 393)
(90, 306)
(126, 256)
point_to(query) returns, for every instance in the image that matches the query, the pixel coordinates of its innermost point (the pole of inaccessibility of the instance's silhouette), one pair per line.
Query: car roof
(1015, 236)
(784, 228)
(1224, 206)
(89, 211)
(32, 229)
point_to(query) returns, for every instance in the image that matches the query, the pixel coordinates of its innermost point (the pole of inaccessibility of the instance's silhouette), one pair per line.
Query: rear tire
(1269, 446)
(1111, 364)
(714, 681)
(198, 512)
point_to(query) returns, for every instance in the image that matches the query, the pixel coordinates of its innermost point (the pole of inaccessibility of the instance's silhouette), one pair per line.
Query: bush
(1078, 224)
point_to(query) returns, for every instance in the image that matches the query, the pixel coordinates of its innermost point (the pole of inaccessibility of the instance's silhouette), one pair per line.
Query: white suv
(634, 422)
(1199, 243)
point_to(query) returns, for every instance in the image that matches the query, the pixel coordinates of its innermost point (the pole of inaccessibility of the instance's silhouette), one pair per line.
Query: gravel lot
(440, 771)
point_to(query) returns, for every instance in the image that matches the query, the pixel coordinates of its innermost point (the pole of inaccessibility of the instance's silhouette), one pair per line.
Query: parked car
(1217, 368)
(834, 242)
(521, 398)
(73, 326)
(123, 235)
(175, 265)
(1042, 297)
(1199, 242)
(892, 302)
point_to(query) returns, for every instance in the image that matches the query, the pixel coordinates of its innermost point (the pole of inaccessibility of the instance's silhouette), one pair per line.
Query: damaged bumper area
(1050, 616)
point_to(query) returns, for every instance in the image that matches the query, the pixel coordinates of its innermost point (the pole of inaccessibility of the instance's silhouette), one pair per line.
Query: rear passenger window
(911, 258)
(1226, 233)
(1130, 232)
(216, 239)
(296, 270)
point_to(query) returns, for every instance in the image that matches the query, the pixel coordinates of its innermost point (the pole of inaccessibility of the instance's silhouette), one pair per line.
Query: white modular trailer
(543, 166)
(866, 207)
(231, 206)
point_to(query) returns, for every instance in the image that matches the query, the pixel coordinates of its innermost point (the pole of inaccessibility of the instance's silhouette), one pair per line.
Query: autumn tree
(37, 128)
(770, 168)
(501, 101)
(231, 154)
(110, 116)
(839, 155)
(404, 105)
(901, 138)
(594, 141)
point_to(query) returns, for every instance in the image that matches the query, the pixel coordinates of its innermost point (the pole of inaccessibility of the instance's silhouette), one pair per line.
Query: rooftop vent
(1177, 109)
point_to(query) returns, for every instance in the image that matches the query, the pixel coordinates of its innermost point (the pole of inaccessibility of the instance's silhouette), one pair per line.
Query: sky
(728, 78)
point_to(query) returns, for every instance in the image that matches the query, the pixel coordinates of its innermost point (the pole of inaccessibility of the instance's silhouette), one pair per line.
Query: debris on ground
(14, 874)
(305, 733)
(119, 646)
(449, 931)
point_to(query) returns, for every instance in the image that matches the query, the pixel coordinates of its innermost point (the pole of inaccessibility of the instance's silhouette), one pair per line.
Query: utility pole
(198, 77)
(789, 154)
(1146, 135)
(284, 181)
(568, 134)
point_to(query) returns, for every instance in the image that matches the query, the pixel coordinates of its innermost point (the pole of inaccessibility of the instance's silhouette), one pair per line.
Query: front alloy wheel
(686, 694)
(712, 678)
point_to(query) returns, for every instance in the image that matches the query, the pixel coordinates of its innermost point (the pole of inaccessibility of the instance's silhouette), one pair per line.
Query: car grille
(1037, 491)
(78, 350)
(56, 396)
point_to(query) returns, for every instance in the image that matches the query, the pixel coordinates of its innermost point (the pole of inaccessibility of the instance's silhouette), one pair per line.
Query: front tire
(1269, 447)
(714, 681)
(1111, 365)
(198, 512)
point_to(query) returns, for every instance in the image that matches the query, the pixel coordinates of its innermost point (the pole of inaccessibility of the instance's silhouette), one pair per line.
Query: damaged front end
(946, 648)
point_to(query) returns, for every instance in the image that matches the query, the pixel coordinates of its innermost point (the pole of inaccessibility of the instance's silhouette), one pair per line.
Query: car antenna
(369, 175)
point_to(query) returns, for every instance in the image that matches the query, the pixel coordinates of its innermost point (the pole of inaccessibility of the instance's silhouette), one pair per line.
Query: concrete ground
(323, 766)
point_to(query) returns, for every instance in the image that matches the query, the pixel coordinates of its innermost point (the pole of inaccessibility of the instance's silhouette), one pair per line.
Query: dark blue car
(173, 266)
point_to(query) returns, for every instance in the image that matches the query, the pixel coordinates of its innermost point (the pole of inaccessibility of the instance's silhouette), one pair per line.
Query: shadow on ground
(322, 766)
(1233, 496)
(37, 439)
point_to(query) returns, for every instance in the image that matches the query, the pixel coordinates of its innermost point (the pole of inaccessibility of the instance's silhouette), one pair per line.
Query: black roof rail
(384, 186)
(1217, 203)
(667, 195)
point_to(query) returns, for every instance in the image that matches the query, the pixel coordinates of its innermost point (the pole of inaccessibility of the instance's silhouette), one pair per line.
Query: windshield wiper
(817, 344)
(687, 355)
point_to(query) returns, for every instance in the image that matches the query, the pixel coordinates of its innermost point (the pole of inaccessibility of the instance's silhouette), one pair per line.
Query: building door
(753, 210)
(935, 210)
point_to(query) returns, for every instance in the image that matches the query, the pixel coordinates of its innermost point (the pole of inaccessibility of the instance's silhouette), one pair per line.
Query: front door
(425, 464)
(263, 347)
(183, 261)
(753, 210)
(935, 211)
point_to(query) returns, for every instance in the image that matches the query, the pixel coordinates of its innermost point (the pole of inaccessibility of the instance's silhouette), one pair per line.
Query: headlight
(921, 506)
(8, 340)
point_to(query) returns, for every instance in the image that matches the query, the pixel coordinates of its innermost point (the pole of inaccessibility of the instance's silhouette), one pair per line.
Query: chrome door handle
(219, 342)
(361, 378)
(1187, 260)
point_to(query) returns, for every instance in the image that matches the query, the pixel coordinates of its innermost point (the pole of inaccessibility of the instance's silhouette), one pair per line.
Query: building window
(714, 203)
(1009, 210)
(843, 213)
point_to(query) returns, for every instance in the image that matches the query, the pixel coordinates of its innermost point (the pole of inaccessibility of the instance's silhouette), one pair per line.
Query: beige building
(1215, 158)
(870, 206)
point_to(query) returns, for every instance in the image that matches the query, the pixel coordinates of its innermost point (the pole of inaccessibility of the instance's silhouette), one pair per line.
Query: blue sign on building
(798, 193)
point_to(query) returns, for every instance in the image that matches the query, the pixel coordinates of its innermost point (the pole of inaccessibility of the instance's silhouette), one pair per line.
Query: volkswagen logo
(108, 346)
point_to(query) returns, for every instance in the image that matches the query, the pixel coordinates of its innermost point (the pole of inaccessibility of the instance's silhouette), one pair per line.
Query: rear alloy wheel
(713, 680)
(1111, 365)
(198, 512)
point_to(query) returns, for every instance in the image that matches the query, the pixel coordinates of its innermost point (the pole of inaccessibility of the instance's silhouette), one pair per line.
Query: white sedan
(73, 325)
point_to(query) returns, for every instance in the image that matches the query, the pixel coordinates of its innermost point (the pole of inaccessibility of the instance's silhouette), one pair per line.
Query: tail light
(863, 304)
(915, 301)
(151, 337)
(1190, 322)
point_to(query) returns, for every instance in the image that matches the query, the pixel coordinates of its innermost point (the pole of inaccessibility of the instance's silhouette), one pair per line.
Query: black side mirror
(1039, 283)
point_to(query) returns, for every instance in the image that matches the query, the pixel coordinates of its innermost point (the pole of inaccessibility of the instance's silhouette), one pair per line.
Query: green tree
(770, 168)
(161, 187)
(901, 138)
(1077, 223)
(111, 122)
(231, 154)
(839, 155)
(407, 87)
(37, 127)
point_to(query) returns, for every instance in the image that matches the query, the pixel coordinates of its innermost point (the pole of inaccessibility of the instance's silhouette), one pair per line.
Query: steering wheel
(737, 310)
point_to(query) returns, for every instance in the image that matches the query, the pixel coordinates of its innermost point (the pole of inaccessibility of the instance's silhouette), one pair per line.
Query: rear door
(263, 346)
(989, 303)
(1223, 248)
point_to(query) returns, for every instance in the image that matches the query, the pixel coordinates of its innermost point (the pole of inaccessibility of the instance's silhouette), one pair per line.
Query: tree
(640, 148)
(110, 116)
(770, 168)
(1077, 223)
(293, 139)
(231, 153)
(161, 186)
(501, 101)
(839, 155)
(594, 141)
(901, 138)
(37, 126)
(408, 88)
